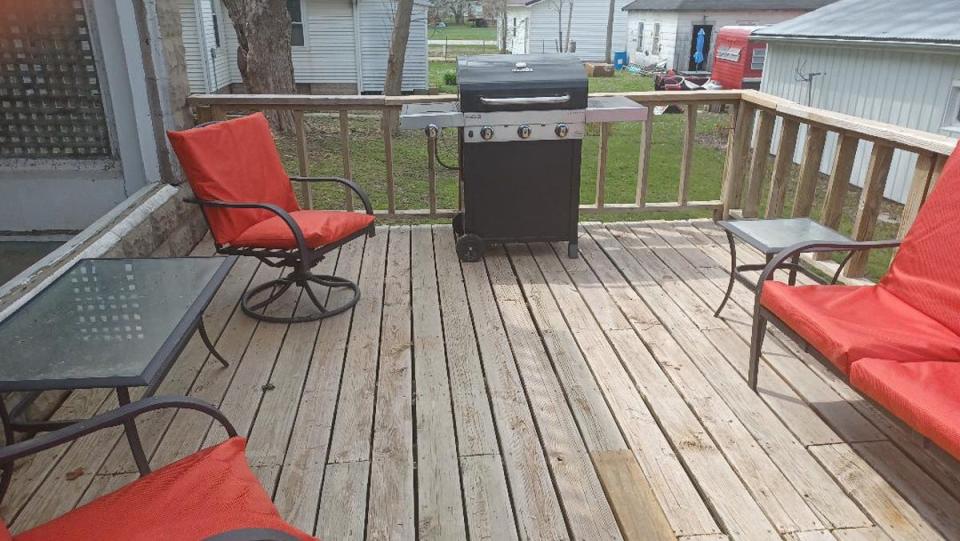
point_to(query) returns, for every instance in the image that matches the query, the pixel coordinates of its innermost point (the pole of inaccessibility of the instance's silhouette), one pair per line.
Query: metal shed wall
(588, 27)
(901, 85)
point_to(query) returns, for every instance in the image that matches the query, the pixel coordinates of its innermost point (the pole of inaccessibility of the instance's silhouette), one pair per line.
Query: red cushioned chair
(898, 340)
(210, 495)
(247, 199)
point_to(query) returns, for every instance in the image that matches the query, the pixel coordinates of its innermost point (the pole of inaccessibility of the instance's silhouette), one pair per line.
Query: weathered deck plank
(530, 396)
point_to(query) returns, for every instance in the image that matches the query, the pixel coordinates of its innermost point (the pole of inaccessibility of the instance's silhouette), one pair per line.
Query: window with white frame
(758, 58)
(640, 36)
(215, 19)
(297, 30)
(656, 39)
(951, 120)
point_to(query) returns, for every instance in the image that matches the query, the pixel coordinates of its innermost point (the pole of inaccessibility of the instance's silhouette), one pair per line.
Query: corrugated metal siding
(900, 86)
(588, 27)
(642, 52)
(376, 25)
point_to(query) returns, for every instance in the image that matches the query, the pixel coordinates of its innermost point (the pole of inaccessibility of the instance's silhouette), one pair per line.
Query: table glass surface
(103, 318)
(771, 236)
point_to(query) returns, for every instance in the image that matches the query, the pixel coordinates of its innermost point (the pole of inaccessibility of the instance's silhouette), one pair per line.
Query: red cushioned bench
(898, 341)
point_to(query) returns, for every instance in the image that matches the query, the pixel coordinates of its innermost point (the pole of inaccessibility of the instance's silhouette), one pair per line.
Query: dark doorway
(707, 35)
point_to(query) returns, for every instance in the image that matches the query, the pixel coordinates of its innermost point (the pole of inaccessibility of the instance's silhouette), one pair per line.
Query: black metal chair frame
(762, 316)
(301, 259)
(125, 416)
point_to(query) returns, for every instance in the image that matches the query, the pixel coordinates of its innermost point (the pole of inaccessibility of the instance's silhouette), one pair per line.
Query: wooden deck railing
(750, 144)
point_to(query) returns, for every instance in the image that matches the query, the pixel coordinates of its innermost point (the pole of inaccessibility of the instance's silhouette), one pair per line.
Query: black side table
(771, 237)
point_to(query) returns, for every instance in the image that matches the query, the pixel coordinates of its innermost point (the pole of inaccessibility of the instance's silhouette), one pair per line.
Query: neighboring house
(535, 26)
(895, 61)
(666, 30)
(336, 43)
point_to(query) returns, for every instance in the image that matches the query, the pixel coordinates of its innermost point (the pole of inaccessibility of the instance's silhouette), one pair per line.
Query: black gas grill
(522, 119)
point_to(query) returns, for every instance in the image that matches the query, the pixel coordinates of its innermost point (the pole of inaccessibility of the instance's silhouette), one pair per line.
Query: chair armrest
(284, 215)
(117, 417)
(817, 246)
(340, 180)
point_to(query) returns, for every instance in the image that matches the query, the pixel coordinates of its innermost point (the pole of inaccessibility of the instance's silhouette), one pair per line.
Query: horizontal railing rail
(761, 127)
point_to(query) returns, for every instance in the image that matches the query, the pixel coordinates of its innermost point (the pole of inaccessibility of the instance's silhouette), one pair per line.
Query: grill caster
(458, 224)
(470, 248)
(572, 251)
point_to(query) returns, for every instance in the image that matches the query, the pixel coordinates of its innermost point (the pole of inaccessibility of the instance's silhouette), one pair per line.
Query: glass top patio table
(108, 323)
(772, 236)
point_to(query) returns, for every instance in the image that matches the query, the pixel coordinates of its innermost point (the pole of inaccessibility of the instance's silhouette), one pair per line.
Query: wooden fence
(747, 172)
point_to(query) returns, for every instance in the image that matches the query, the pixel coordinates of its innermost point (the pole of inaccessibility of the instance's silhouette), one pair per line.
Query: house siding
(376, 26)
(906, 87)
(676, 28)
(588, 27)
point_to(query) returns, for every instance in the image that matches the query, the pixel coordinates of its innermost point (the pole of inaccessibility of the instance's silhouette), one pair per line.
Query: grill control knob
(486, 133)
(561, 130)
(524, 132)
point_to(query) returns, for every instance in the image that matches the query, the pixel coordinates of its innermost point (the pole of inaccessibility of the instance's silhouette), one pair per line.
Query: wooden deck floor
(529, 396)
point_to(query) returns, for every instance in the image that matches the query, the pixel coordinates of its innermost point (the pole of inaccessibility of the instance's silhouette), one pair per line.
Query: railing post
(738, 144)
(924, 178)
(781, 165)
(758, 164)
(432, 174)
(686, 160)
(345, 153)
(643, 166)
(809, 171)
(868, 209)
(387, 124)
(302, 165)
(602, 163)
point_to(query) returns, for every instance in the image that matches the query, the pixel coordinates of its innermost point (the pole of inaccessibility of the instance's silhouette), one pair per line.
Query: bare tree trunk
(393, 85)
(609, 50)
(503, 24)
(263, 53)
(566, 46)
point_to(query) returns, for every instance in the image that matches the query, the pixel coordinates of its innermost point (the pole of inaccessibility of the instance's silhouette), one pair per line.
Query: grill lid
(499, 82)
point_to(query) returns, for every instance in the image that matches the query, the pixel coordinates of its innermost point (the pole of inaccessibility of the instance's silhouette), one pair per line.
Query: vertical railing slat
(781, 167)
(602, 164)
(305, 193)
(837, 186)
(432, 174)
(738, 145)
(643, 166)
(686, 160)
(345, 154)
(921, 184)
(868, 210)
(809, 171)
(387, 124)
(758, 165)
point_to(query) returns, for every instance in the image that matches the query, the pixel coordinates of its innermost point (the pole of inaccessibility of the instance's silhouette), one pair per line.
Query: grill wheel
(470, 248)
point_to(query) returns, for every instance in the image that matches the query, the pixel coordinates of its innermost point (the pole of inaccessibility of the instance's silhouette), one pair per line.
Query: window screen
(50, 101)
(758, 59)
(297, 37)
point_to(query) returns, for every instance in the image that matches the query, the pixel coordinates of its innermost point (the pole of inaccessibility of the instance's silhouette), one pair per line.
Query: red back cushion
(926, 270)
(207, 493)
(234, 161)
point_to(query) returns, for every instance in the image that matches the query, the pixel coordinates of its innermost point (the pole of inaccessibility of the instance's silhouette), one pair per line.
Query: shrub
(450, 78)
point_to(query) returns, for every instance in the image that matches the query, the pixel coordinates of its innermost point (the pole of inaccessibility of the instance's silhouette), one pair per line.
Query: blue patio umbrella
(698, 55)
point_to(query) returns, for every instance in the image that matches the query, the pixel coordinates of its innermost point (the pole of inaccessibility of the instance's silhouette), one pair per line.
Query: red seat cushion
(320, 227)
(234, 161)
(846, 323)
(926, 272)
(925, 395)
(207, 493)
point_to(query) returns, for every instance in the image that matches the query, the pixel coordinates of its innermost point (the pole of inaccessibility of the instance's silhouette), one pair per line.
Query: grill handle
(539, 100)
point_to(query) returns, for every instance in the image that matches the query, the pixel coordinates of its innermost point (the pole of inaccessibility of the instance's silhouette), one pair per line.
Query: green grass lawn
(622, 81)
(462, 31)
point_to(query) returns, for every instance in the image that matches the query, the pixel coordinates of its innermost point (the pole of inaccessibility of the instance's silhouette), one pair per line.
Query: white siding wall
(676, 28)
(328, 53)
(909, 88)
(588, 27)
(518, 19)
(376, 25)
(192, 46)
(219, 59)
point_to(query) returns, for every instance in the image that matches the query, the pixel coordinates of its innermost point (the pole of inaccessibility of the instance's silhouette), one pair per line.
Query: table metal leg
(733, 274)
(7, 475)
(133, 437)
(792, 280)
(206, 341)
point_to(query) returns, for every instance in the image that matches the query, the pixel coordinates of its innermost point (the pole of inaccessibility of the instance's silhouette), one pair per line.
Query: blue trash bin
(620, 60)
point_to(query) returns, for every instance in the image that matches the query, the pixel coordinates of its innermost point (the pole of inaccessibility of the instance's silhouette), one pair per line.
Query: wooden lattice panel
(50, 100)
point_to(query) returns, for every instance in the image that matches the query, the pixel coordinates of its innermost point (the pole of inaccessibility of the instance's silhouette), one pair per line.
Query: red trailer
(738, 62)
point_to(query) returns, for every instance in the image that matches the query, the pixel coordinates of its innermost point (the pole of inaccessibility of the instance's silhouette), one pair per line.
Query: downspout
(357, 38)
